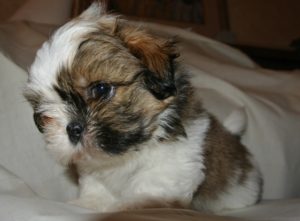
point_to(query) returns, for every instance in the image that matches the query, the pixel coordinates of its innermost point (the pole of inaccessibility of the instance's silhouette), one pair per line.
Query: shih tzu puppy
(111, 100)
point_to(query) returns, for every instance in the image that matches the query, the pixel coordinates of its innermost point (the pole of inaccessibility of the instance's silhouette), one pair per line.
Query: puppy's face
(100, 87)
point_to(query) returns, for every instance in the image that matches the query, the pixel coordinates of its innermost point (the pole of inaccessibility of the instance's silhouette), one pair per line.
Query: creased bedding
(34, 187)
(226, 79)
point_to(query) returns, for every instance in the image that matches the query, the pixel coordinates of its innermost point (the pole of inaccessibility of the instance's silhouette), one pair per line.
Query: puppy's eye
(102, 91)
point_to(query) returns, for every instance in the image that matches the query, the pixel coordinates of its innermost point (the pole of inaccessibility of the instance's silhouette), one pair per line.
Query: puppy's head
(101, 87)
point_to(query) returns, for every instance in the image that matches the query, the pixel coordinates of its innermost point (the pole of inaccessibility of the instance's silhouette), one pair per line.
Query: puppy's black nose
(74, 130)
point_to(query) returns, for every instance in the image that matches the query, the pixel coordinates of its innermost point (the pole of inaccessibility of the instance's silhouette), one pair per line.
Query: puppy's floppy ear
(157, 55)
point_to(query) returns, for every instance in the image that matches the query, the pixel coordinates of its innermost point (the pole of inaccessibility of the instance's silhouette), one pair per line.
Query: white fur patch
(60, 50)
(55, 133)
(170, 171)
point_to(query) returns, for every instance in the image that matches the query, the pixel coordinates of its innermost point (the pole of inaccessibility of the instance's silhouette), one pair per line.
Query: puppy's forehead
(103, 57)
(59, 52)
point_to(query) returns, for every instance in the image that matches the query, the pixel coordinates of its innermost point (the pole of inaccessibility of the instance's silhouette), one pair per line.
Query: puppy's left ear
(158, 56)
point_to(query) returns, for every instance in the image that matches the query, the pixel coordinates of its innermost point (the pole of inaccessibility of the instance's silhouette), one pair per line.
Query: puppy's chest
(161, 169)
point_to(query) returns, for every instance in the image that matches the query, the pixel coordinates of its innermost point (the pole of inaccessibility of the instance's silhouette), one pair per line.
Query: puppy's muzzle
(74, 130)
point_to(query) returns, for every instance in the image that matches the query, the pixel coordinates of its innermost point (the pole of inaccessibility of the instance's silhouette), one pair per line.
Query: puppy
(111, 100)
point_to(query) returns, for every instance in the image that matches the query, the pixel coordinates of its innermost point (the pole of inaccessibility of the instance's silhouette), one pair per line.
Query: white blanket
(34, 187)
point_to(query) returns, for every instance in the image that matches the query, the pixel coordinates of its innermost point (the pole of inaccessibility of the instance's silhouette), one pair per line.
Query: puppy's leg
(236, 195)
(94, 195)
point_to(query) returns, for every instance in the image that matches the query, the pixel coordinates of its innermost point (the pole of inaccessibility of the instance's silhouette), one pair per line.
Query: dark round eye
(101, 91)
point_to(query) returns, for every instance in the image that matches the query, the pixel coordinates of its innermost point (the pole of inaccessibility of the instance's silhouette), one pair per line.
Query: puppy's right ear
(160, 88)
(94, 11)
(156, 54)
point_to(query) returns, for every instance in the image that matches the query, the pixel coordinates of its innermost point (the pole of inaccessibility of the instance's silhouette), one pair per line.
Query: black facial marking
(115, 142)
(160, 88)
(123, 131)
(173, 126)
(173, 123)
(68, 94)
(76, 103)
(185, 97)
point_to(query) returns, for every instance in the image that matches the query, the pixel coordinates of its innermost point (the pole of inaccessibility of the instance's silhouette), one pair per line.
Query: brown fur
(103, 58)
(224, 155)
(154, 52)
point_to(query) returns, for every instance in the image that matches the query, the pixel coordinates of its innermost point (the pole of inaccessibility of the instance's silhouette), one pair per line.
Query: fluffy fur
(141, 138)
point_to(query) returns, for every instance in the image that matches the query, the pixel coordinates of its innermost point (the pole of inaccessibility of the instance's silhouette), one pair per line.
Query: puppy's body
(112, 100)
(159, 173)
